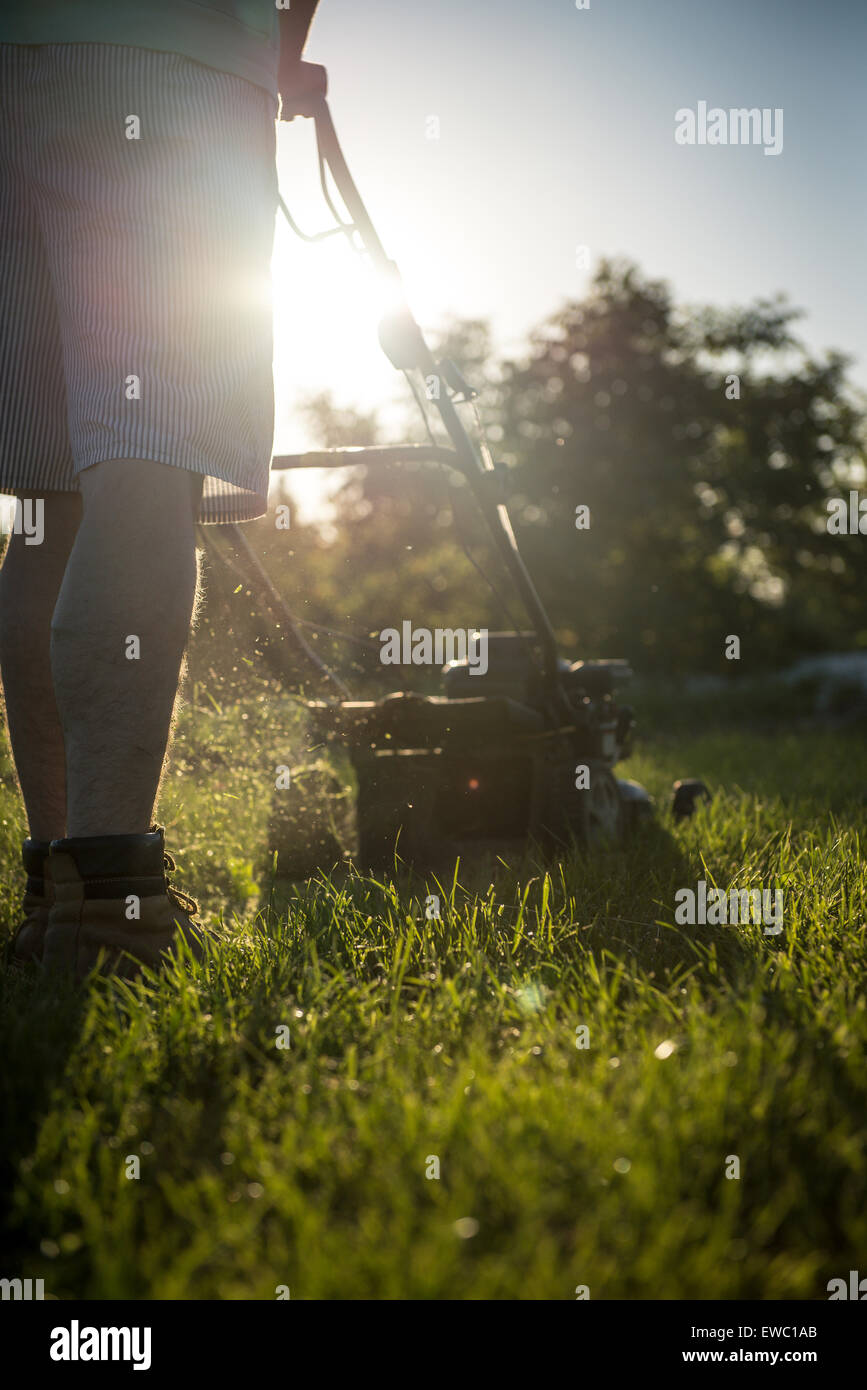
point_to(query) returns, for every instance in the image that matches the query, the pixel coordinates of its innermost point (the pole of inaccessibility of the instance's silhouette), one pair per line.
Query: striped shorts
(138, 192)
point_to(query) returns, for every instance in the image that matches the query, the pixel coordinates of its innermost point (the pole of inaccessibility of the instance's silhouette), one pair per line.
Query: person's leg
(117, 639)
(30, 580)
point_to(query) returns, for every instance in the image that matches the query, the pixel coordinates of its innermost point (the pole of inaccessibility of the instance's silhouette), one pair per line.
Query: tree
(704, 445)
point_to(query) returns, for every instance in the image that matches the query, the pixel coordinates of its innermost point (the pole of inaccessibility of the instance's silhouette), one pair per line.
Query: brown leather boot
(113, 907)
(30, 937)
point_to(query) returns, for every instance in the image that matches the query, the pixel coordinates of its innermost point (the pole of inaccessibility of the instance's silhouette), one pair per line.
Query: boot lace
(176, 895)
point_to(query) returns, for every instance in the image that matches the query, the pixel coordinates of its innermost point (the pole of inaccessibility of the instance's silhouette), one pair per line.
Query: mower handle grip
(302, 88)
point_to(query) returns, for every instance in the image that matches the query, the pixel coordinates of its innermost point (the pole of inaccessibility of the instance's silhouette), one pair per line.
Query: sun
(328, 302)
(328, 299)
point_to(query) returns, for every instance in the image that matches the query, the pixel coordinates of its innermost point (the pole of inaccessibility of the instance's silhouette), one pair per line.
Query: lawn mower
(522, 753)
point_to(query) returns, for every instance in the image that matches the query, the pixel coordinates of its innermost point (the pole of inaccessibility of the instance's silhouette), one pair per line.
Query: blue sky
(556, 129)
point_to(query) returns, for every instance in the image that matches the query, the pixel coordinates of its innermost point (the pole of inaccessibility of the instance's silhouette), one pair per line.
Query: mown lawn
(412, 1040)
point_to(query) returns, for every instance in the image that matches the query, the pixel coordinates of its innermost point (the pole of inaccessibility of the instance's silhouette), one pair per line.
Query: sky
(555, 129)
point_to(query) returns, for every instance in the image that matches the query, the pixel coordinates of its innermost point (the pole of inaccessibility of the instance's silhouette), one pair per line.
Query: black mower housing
(487, 765)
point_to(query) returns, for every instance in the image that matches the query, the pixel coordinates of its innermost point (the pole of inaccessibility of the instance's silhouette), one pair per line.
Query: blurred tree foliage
(707, 497)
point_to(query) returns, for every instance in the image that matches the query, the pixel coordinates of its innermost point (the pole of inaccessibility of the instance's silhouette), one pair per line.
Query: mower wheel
(594, 814)
(685, 796)
(603, 820)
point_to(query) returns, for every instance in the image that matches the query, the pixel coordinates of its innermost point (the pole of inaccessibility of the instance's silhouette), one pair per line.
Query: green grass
(559, 1166)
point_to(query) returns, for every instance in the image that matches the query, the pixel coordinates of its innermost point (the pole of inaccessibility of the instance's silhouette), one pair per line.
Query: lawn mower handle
(404, 344)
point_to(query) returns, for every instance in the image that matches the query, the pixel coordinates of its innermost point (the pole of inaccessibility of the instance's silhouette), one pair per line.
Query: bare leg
(118, 637)
(29, 584)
